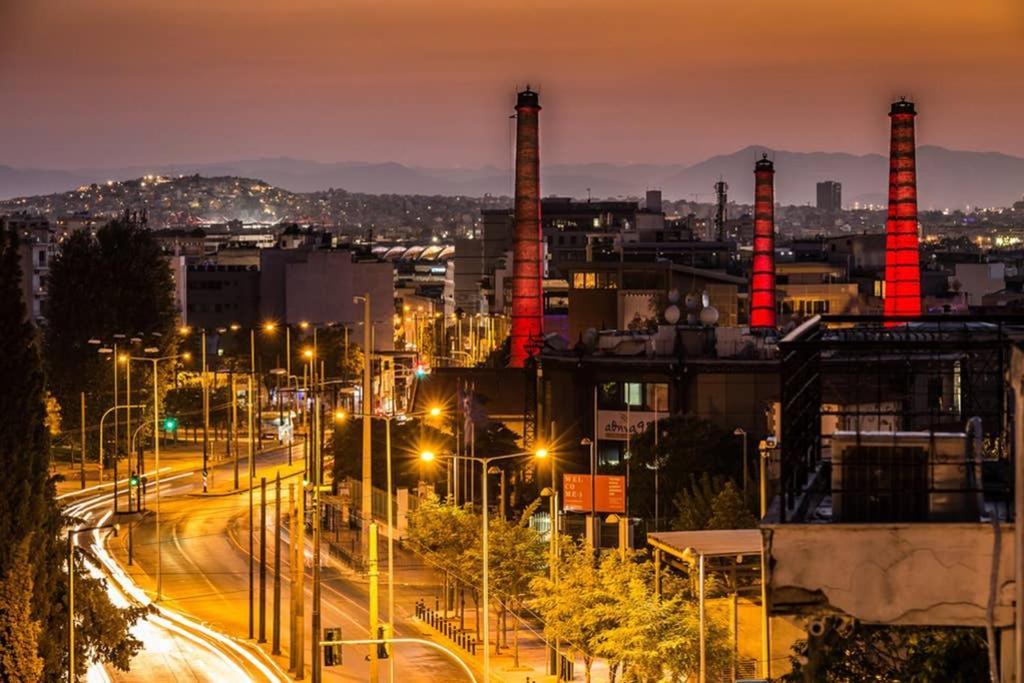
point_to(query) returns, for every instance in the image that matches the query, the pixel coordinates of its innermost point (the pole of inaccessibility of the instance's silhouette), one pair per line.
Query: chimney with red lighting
(902, 261)
(762, 279)
(527, 296)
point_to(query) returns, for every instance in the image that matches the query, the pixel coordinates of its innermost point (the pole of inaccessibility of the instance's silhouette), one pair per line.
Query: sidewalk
(417, 581)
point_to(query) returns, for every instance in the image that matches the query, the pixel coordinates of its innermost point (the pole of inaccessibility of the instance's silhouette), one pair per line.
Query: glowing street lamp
(540, 454)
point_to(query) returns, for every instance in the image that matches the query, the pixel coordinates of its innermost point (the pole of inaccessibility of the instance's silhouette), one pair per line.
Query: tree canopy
(31, 522)
(116, 282)
(684, 446)
(891, 654)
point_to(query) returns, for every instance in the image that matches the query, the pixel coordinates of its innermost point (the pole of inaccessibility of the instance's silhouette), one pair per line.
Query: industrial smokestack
(762, 279)
(527, 296)
(721, 198)
(902, 261)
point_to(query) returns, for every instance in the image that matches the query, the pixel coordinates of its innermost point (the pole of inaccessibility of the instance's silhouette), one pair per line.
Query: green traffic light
(133, 480)
(170, 424)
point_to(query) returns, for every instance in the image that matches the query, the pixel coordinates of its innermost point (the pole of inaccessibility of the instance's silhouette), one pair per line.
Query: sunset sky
(432, 82)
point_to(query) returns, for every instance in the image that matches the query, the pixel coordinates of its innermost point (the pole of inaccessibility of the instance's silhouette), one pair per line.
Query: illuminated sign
(610, 491)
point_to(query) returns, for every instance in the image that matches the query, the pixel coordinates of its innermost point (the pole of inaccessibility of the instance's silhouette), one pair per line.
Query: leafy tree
(576, 609)
(655, 637)
(445, 536)
(117, 282)
(729, 510)
(686, 446)
(695, 504)
(517, 557)
(29, 514)
(711, 502)
(892, 654)
(19, 632)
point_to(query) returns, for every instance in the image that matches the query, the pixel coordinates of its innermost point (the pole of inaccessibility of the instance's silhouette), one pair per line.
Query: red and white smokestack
(902, 261)
(527, 295)
(762, 279)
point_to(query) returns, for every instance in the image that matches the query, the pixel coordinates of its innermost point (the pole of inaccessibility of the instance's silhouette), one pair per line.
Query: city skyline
(202, 82)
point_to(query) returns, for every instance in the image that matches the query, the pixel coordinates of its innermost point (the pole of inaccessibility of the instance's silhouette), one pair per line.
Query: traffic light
(170, 424)
(383, 649)
(332, 653)
(133, 480)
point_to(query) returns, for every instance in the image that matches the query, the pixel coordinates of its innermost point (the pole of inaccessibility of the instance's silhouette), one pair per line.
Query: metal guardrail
(437, 621)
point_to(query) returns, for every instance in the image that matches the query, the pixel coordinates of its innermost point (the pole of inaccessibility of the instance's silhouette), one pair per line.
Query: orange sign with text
(609, 489)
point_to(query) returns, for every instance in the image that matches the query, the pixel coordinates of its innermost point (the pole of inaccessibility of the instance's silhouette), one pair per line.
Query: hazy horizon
(430, 83)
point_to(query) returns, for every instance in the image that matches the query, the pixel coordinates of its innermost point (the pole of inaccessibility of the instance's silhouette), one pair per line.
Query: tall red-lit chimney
(902, 262)
(527, 296)
(762, 279)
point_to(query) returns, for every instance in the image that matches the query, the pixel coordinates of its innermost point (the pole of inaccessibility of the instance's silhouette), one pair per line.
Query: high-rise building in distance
(830, 196)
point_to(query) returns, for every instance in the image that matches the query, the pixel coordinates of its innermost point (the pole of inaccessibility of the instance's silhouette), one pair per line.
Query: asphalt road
(206, 574)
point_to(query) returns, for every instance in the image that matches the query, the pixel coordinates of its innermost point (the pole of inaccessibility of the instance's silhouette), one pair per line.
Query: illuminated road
(206, 574)
(174, 647)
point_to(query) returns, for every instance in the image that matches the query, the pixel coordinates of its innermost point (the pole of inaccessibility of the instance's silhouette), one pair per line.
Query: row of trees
(33, 574)
(603, 607)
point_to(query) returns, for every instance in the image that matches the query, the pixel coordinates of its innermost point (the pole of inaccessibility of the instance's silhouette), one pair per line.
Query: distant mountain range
(947, 178)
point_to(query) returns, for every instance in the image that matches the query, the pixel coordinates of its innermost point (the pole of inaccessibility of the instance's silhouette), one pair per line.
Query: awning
(716, 543)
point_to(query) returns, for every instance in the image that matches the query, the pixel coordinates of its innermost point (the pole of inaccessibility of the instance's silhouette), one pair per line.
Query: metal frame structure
(927, 374)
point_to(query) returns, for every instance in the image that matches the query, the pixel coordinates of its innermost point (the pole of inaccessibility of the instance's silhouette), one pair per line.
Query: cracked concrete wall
(908, 574)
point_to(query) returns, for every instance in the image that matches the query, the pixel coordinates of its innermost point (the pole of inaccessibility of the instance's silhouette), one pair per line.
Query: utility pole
(263, 560)
(233, 437)
(276, 637)
(206, 419)
(299, 584)
(367, 409)
(128, 420)
(117, 427)
(82, 430)
(252, 629)
(374, 601)
(315, 479)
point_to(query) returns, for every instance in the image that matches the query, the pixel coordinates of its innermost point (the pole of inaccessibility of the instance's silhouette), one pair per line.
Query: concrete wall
(908, 574)
(321, 288)
(978, 279)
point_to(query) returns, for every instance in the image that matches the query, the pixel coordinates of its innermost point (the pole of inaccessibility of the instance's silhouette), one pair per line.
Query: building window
(657, 397)
(610, 453)
(642, 396)
(634, 394)
(609, 395)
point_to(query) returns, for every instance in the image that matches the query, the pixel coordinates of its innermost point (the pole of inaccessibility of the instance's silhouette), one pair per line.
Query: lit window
(634, 394)
(591, 281)
(657, 397)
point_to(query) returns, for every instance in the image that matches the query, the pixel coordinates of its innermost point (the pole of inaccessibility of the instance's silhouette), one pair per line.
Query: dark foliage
(892, 654)
(28, 509)
(117, 282)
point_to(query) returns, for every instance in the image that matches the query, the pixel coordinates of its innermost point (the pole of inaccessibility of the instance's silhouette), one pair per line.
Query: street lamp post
(485, 464)
(595, 524)
(433, 412)
(739, 431)
(156, 455)
(102, 418)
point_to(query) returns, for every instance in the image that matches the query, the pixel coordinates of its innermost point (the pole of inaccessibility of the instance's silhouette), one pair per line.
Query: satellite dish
(673, 296)
(709, 316)
(672, 314)
(705, 300)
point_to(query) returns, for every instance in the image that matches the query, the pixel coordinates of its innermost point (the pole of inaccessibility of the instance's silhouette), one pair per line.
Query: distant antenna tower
(721, 188)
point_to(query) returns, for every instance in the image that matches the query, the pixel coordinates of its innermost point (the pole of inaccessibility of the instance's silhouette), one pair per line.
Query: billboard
(610, 490)
(615, 424)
